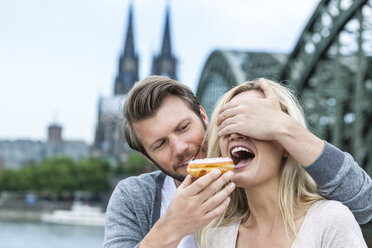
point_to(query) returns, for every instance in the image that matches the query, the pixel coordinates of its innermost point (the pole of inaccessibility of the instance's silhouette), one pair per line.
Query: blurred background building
(15, 153)
(109, 139)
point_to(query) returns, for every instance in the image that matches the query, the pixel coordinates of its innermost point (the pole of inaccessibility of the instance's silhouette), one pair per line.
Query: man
(164, 121)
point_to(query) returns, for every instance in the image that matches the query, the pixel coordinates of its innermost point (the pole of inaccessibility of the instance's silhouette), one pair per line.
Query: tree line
(62, 176)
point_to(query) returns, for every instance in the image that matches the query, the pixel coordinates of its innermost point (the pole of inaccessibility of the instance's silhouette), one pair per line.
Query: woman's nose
(236, 136)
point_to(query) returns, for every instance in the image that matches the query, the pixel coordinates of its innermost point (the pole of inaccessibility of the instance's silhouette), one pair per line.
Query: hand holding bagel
(199, 167)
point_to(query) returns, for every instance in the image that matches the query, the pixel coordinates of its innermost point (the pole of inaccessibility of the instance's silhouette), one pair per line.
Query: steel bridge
(330, 67)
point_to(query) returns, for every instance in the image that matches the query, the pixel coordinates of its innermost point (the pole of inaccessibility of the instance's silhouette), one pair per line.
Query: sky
(57, 58)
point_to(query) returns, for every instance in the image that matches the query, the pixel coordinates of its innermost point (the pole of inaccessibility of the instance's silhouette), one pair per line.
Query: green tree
(135, 165)
(59, 176)
(8, 180)
(92, 175)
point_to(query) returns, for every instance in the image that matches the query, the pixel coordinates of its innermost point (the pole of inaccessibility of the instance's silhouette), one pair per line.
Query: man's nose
(180, 146)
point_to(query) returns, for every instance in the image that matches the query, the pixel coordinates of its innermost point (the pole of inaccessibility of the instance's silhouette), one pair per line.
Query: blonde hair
(296, 187)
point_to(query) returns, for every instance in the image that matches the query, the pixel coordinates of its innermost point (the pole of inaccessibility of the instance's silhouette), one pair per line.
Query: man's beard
(177, 176)
(174, 174)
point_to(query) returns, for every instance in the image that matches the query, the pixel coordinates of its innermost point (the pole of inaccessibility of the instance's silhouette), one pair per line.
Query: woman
(276, 204)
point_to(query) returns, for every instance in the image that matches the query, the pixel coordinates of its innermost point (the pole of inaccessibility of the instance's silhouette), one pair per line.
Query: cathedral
(109, 139)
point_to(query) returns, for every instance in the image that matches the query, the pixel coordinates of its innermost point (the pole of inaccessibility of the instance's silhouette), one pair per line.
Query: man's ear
(203, 115)
(285, 153)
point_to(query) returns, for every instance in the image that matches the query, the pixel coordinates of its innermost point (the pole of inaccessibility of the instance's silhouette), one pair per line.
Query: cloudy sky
(58, 57)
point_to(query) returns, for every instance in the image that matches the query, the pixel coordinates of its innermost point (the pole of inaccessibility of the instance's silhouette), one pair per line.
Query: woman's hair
(296, 186)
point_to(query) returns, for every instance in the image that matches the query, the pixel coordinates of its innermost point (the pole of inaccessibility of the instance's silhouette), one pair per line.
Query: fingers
(228, 129)
(202, 183)
(227, 106)
(186, 182)
(267, 89)
(213, 187)
(229, 111)
(227, 119)
(197, 203)
(216, 200)
(226, 111)
(218, 210)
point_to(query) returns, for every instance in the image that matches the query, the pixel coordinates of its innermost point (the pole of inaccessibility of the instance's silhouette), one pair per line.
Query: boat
(80, 214)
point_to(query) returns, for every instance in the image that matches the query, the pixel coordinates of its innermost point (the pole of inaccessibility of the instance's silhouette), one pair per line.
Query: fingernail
(229, 174)
(217, 172)
(232, 186)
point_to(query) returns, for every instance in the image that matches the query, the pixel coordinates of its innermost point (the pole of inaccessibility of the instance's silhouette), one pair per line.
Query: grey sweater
(134, 206)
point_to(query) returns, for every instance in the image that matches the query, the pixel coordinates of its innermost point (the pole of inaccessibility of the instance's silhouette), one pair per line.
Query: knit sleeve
(122, 228)
(340, 178)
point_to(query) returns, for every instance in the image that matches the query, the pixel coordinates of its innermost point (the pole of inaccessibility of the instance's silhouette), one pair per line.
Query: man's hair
(144, 100)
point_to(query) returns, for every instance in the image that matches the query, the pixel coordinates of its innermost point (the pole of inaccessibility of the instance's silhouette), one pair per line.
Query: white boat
(79, 214)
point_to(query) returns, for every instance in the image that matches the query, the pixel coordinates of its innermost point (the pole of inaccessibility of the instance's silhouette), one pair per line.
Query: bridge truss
(330, 68)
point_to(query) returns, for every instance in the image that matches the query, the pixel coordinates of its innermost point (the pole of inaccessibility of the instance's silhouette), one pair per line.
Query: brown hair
(145, 99)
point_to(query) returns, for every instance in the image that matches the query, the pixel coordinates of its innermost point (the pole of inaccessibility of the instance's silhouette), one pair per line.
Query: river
(21, 234)
(27, 234)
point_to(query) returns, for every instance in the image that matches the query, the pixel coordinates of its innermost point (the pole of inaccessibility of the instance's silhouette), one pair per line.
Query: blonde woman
(276, 203)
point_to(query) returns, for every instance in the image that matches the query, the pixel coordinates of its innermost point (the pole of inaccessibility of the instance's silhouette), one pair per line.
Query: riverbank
(20, 215)
(21, 211)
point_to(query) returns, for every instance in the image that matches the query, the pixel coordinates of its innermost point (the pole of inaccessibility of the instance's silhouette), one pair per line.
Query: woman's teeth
(235, 151)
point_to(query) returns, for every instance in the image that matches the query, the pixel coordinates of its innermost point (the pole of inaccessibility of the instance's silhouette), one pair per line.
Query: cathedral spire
(129, 41)
(165, 63)
(128, 63)
(166, 49)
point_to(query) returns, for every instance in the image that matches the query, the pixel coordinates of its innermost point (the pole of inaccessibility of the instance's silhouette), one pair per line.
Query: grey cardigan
(134, 206)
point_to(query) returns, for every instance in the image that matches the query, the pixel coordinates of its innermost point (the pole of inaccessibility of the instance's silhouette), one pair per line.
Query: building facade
(16, 153)
(165, 63)
(109, 139)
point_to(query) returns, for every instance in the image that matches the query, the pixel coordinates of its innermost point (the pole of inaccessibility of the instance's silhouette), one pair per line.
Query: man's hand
(263, 119)
(253, 117)
(194, 205)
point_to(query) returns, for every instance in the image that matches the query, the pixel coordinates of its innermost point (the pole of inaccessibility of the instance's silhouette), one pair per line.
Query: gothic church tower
(165, 63)
(109, 138)
(128, 63)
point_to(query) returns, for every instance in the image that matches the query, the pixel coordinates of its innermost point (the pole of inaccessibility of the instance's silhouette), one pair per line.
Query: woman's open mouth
(241, 155)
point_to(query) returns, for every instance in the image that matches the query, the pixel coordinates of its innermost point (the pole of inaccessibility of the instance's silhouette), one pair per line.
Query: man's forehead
(172, 105)
(166, 119)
